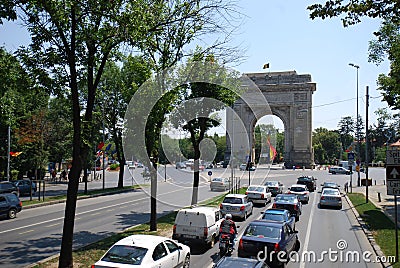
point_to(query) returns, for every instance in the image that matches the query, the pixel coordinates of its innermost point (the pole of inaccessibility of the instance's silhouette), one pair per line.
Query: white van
(199, 224)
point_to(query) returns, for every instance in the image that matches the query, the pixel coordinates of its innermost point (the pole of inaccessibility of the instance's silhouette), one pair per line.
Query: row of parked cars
(10, 204)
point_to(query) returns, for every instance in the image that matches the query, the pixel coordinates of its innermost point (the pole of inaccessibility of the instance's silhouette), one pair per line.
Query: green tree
(346, 128)
(197, 117)
(327, 145)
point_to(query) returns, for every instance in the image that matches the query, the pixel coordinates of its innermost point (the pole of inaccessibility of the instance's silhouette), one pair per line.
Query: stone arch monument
(289, 96)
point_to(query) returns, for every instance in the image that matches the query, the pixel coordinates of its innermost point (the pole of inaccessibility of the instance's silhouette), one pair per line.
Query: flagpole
(8, 153)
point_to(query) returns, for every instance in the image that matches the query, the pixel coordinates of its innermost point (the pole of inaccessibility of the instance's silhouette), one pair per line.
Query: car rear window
(125, 255)
(297, 189)
(13, 198)
(217, 179)
(232, 200)
(262, 231)
(255, 189)
(273, 217)
(330, 192)
(285, 198)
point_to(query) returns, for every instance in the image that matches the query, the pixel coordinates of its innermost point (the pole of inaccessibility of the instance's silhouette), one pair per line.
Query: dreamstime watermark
(338, 255)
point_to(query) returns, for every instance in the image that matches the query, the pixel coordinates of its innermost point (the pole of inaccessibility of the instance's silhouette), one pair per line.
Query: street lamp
(358, 129)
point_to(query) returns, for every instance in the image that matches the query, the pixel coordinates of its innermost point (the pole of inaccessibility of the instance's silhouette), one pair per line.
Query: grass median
(382, 228)
(35, 200)
(88, 255)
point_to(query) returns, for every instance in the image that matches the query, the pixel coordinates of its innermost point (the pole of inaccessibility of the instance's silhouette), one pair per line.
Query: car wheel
(186, 263)
(12, 213)
(245, 216)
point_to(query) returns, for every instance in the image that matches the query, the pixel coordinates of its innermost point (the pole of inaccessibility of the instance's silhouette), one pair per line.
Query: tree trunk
(196, 175)
(153, 198)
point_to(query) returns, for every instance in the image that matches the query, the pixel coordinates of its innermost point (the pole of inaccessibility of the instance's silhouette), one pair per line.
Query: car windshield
(329, 184)
(285, 198)
(263, 231)
(255, 189)
(304, 179)
(271, 183)
(232, 200)
(125, 255)
(273, 217)
(330, 192)
(297, 189)
(217, 179)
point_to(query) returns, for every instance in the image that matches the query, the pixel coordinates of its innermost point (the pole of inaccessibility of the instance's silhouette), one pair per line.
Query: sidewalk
(386, 202)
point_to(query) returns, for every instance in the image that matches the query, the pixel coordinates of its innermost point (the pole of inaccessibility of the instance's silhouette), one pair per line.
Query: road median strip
(378, 227)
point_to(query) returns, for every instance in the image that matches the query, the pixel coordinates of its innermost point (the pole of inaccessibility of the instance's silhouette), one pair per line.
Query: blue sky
(280, 32)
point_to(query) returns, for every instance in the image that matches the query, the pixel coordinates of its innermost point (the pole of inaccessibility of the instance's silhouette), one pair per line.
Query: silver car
(219, 184)
(330, 197)
(237, 205)
(259, 194)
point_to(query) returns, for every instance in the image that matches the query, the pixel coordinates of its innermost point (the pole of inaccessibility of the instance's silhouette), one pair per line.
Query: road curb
(377, 249)
(48, 203)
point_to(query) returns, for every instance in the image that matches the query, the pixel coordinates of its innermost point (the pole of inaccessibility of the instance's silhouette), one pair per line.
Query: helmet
(228, 216)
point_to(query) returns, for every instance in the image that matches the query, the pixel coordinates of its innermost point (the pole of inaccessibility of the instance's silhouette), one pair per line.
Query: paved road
(319, 230)
(36, 233)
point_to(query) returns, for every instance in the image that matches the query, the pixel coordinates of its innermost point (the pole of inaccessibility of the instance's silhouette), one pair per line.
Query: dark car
(8, 187)
(10, 205)
(280, 215)
(275, 187)
(235, 262)
(268, 240)
(25, 187)
(308, 181)
(290, 202)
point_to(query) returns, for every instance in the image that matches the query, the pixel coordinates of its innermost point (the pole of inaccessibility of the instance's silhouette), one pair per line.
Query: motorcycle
(225, 247)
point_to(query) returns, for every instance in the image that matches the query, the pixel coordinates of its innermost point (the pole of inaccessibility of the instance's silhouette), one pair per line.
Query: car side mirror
(180, 247)
(288, 188)
(322, 184)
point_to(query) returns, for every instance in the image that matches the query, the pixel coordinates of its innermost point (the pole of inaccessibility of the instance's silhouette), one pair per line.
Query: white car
(238, 205)
(301, 191)
(259, 194)
(330, 197)
(147, 251)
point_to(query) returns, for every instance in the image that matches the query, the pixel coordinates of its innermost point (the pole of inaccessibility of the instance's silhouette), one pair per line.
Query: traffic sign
(209, 173)
(393, 180)
(393, 172)
(350, 158)
(393, 157)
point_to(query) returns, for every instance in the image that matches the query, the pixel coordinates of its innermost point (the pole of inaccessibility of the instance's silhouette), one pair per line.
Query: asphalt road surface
(36, 233)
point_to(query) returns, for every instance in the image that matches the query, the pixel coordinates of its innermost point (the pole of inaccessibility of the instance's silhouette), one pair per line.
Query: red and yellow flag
(272, 150)
(15, 154)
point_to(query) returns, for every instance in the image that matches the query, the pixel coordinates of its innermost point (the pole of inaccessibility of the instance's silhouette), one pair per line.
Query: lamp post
(358, 129)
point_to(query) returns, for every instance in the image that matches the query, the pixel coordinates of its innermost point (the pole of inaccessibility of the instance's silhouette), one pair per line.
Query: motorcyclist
(228, 226)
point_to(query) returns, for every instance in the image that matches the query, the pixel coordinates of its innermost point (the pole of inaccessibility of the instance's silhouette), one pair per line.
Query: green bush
(14, 175)
(114, 166)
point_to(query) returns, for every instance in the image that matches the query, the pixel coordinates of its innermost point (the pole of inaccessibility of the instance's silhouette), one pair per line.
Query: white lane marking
(305, 247)
(82, 213)
(54, 224)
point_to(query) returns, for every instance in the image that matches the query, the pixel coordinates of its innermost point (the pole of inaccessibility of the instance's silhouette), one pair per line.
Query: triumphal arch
(289, 97)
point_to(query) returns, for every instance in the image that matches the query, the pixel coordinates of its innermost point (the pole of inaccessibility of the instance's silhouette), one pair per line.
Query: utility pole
(104, 152)
(366, 144)
(8, 152)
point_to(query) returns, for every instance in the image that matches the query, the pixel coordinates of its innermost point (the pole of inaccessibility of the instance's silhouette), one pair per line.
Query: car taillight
(245, 193)
(220, 206)
(205, 231)
(240, 244)
(274, 205)
(174, 229)
(92, 266)
(277, 248)
(295, 206)
(322, 197)
(289, 192)
(262, 195)
(20, 203)
(242, 208)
